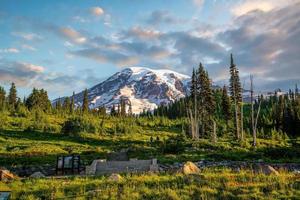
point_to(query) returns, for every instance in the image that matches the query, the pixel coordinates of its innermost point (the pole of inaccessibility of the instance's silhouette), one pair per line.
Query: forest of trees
(207, 112)
(224, 107)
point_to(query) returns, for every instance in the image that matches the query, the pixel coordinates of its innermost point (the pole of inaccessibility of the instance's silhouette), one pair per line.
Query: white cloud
(198, 3)
(9, 50)
(97, 11)
(32, 67)
(73, 35)
(263, 5)
(28, 47)
(27, 36)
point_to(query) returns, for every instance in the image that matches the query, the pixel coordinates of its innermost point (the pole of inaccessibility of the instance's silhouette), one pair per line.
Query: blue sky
(66, 46)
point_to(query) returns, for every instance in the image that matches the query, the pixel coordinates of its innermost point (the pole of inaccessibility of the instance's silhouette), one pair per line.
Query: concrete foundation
(99, 167)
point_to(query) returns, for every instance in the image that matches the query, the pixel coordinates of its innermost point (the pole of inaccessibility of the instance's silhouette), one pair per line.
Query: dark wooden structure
(68, 165)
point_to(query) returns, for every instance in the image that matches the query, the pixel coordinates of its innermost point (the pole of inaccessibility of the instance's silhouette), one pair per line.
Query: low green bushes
(76, 125)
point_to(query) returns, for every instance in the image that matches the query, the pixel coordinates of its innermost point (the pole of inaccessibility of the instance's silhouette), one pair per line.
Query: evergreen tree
(236, 94)
(193, 88)
(58, 105)
(123, 107)
(206, 100)
(2, 98)
(72, 104)
(12, 96)
(226, 104)
(102, 110)
(113, 110)
(66, 104)
(38, 99)
(85, 102)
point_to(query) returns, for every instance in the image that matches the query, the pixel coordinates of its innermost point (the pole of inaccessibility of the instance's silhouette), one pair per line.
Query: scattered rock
(37, 175)
(115, 177)
(190, 168)
(6, 175)
(267, 169)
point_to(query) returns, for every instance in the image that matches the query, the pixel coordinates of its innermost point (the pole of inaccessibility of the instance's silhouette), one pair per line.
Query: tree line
(209, 111)
(207, 107)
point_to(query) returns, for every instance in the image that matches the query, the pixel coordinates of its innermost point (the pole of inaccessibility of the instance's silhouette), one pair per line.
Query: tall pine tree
(66, 105)
(85, 102)
(206, 100)
(12, 96)
(2, 98)
(226, 104)
(236, 94)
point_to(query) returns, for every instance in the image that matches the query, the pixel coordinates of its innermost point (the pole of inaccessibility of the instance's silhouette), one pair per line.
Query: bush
(175, 144)
(21, 111)
(76, 125)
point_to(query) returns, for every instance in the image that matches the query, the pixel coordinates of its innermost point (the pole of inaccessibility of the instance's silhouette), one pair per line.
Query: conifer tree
(226, 104)
(2, 98)
(72, 104)
(38, 99)
(66, 104)
(85, 102)
(123, 107)
(236, 94)
(206, 100)
(193, 84)
(58, 105)
(12, 96)
(113, 110)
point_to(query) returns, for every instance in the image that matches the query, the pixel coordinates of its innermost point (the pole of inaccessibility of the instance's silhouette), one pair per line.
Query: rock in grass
(6, 175)
(190, 168)
(115, 177)
(37, 175)
(267, 169)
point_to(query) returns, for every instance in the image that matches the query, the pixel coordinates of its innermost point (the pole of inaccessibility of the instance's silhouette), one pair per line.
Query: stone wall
(99, 167)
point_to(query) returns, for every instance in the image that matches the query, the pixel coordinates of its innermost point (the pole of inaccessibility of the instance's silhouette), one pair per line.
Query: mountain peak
(144, 88)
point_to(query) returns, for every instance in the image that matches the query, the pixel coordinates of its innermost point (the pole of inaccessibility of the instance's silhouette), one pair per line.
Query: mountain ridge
(144, 88)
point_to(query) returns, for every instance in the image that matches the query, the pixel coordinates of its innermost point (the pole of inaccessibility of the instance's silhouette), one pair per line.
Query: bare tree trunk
(236, 119)
(236, 115)
(214, 136)
(254, 120)
(196, 117)
(242, 115)
(257, 115)
(193, 119)
(252, 112)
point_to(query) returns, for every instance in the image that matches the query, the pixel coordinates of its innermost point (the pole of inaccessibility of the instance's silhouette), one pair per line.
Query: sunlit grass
(209, 184)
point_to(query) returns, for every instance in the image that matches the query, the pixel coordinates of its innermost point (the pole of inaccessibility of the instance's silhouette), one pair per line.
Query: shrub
(21, 111)
(175, 144)
(76, 125)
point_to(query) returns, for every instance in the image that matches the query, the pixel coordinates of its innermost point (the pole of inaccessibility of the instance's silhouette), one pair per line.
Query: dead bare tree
(193, 119)
(254, 120)
(242, 114)
(252, 111)
(236, 116)
(214, 136)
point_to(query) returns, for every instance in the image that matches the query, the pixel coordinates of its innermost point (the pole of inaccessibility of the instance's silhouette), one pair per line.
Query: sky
(69, 45)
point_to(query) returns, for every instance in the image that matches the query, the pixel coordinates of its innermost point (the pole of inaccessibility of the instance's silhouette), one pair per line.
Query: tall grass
(209, 184)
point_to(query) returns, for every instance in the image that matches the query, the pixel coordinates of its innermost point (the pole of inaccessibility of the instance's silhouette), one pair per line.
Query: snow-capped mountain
(144, 88)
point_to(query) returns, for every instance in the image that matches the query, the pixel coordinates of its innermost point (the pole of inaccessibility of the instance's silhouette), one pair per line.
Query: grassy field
(23, 146)
(34, 147)
(30, 148)
(209, 184)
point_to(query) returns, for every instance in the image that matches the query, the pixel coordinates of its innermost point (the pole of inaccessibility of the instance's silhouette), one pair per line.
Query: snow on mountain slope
(144, 88)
